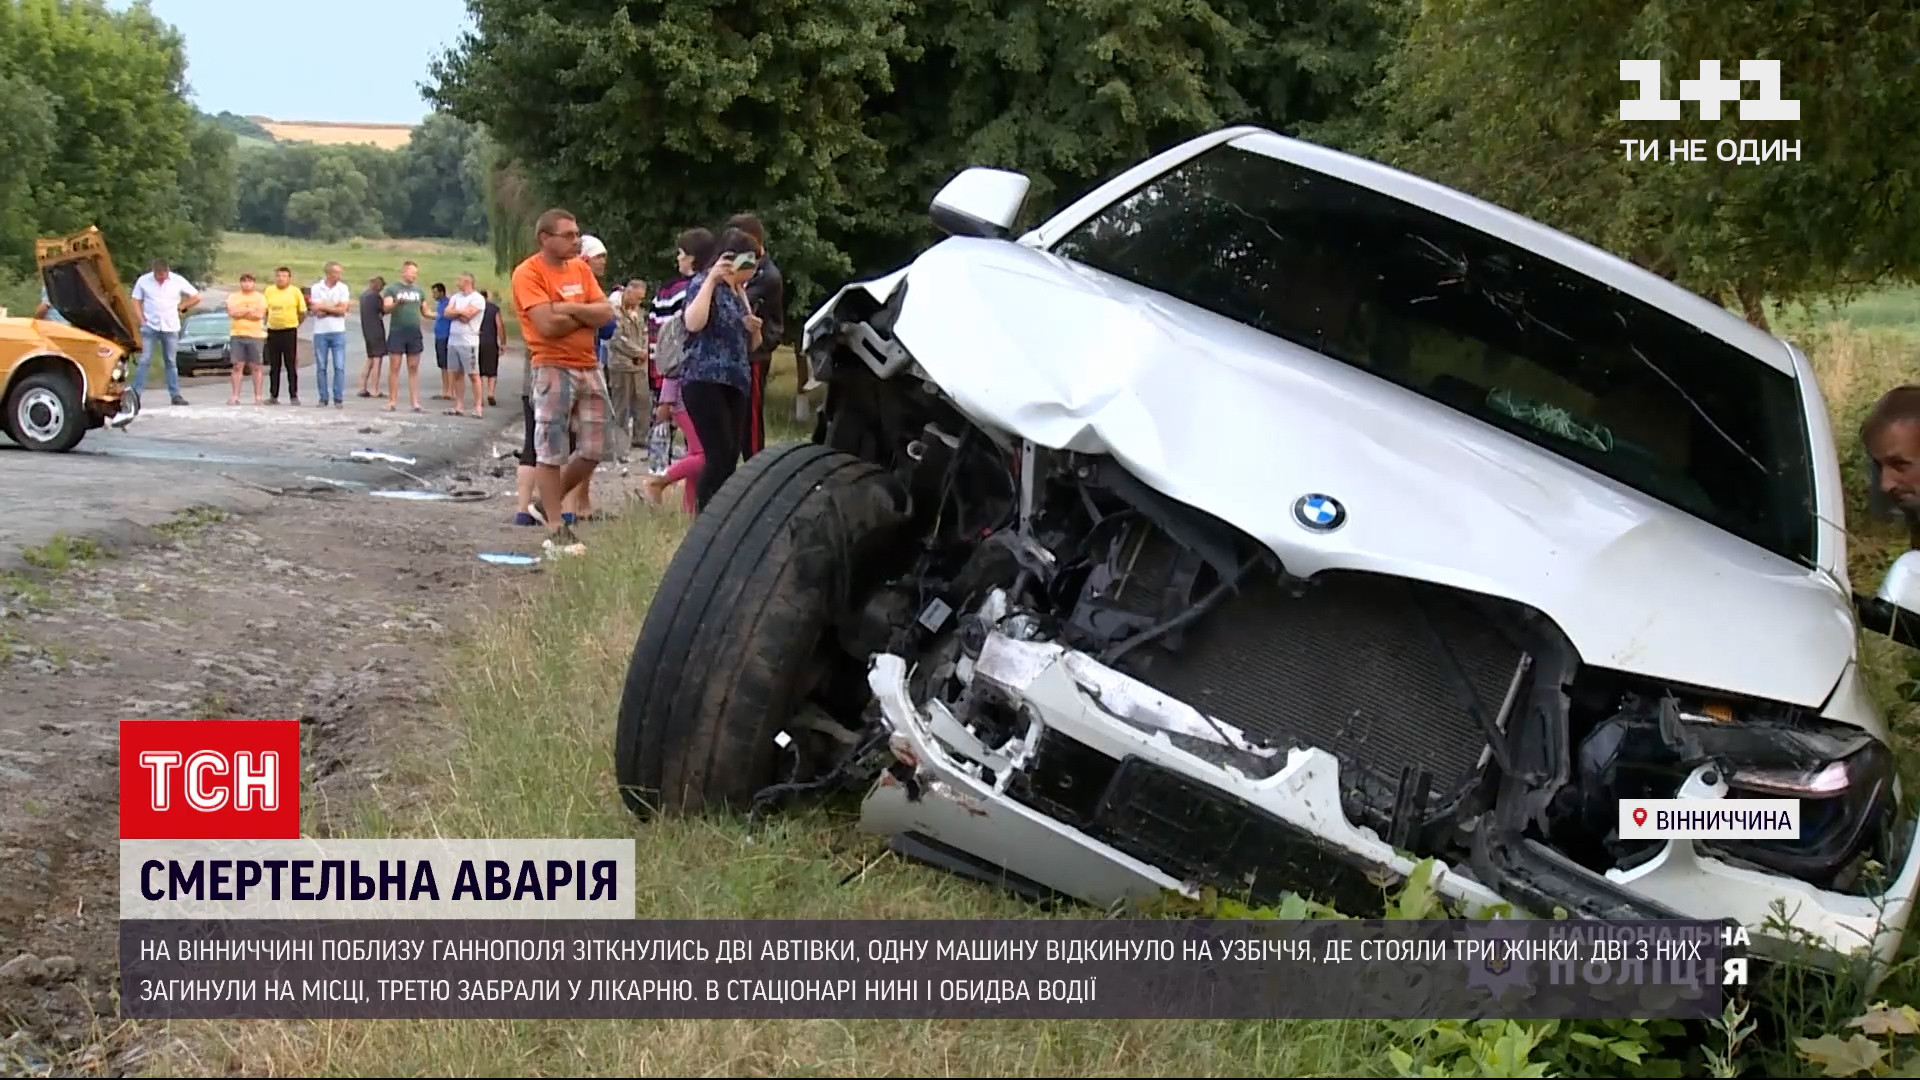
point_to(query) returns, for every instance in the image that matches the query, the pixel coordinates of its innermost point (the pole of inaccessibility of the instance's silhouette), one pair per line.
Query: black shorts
(489, 360)
(526, 441)
(404, 341)
(376, 345)
(440, 352)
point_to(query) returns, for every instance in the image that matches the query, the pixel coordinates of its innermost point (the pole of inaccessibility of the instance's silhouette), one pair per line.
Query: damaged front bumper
(1164, 808)
(959, 794)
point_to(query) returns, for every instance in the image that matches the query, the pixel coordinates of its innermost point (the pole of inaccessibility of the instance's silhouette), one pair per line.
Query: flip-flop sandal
(391, 405)
(417, 408)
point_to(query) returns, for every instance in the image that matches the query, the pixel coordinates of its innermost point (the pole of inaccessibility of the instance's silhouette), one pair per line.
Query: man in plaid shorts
(562, 308)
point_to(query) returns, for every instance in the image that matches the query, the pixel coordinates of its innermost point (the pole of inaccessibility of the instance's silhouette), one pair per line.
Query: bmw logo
(1319, 513)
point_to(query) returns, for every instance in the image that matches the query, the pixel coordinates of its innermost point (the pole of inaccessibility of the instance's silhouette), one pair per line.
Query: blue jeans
(330, 348)
(167, 341)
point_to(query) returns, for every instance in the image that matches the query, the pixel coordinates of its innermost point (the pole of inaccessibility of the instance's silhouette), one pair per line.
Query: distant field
(440, 260)
(360, 259)
(329, 133)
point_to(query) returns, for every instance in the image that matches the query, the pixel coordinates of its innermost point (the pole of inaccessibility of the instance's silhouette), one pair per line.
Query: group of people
(702, 348)
(264, 334)
(604, 371)
(468, 329)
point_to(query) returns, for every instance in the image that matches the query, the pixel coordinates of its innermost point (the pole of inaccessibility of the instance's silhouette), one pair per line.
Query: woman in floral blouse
(722, 333)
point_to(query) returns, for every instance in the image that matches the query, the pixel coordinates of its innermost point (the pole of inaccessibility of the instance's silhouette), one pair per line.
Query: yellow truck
(60, 380)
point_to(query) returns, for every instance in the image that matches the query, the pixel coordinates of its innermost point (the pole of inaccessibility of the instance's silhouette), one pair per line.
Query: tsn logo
(209, 779)
(1709, 90)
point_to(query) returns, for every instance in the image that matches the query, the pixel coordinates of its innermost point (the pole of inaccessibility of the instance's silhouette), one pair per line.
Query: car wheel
(738, 636)
(44, 413)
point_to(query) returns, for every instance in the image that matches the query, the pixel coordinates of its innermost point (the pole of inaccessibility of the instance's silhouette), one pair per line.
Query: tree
(122, 133)
(1519, 103)
(647, 118)
(433, 186)
(446, 189)
(335, 204)
(210, 187)
(513, 205)
(838, 121)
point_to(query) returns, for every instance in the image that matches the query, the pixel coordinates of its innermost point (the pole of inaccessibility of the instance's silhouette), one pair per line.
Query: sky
(366, 67)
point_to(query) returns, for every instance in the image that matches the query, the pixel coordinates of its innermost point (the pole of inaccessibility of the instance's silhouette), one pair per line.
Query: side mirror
(1895, 610)
(980, 202)
(1901, 586)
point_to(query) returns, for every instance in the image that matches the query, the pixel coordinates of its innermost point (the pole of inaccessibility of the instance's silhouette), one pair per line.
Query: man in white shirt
(329, 300)
(162, 296)
(464, 311)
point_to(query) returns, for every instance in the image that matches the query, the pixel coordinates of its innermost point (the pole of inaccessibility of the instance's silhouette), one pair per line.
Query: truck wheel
(741, 628)
(44, 413)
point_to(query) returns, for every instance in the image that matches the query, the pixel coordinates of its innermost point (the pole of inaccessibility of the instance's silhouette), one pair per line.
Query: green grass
(359, 259)
(531, 696)
(61, 552)
(529, 699)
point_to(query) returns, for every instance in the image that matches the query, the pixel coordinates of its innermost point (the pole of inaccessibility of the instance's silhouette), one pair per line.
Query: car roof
(1570, 251)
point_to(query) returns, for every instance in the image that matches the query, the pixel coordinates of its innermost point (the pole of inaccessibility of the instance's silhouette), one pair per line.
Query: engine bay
(1464, 726)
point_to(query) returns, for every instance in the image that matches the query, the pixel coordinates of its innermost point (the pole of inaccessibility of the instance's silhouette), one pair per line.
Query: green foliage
(513, 205)
(433, 186)
(836, 122)
(1518, 103)
(240, 126)
(97, 131)
(1525, 1048)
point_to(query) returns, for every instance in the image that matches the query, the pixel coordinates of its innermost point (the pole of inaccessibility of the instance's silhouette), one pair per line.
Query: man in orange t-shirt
(561, 308)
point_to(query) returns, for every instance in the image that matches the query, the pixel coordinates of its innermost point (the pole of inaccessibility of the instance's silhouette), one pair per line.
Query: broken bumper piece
(1161, 802)
(1148, 808)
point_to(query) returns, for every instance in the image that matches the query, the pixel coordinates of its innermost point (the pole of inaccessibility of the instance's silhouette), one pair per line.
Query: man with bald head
(1892, 438)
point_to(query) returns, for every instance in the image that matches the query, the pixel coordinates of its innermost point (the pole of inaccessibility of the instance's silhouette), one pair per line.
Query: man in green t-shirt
(406, 301)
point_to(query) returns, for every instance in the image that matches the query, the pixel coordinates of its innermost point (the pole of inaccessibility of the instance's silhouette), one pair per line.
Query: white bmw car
(1269, 520)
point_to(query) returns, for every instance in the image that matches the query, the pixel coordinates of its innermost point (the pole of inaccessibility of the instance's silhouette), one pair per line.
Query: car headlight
(1847, 809)
(1648, 741)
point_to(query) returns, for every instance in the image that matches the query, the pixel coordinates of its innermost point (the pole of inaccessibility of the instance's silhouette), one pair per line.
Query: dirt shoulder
(336, 608)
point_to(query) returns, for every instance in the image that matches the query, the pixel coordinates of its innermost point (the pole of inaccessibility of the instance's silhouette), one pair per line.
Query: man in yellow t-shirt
(247, 311)
(286, 306)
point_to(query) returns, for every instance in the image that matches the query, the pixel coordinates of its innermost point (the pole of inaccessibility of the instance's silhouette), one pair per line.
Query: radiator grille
(1349, 666)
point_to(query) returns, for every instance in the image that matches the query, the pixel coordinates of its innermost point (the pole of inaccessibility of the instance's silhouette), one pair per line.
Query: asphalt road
(115, 483)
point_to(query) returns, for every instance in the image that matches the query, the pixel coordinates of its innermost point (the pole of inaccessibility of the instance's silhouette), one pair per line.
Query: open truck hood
(1241, 424)
(85, 288)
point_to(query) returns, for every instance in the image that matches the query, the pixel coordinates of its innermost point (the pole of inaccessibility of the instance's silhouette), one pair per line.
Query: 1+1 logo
(209, 779)
(1711, 92)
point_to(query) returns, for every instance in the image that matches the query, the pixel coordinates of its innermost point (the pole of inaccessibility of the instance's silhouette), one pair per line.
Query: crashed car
(61, 378)
(1270, 521)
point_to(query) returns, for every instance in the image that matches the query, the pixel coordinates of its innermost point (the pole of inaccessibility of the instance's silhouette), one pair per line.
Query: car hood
(79, 276)
(1240, 424)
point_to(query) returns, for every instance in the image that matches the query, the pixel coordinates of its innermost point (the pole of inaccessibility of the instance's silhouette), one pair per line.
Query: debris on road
(432, 496)
(370, 454)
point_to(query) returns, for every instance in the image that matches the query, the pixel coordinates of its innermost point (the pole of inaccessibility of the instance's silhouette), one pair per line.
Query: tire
(733, 638)
(44, 412)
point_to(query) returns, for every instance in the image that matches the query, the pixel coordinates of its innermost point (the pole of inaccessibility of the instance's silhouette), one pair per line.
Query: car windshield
(208, 325)
(1491, 329)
